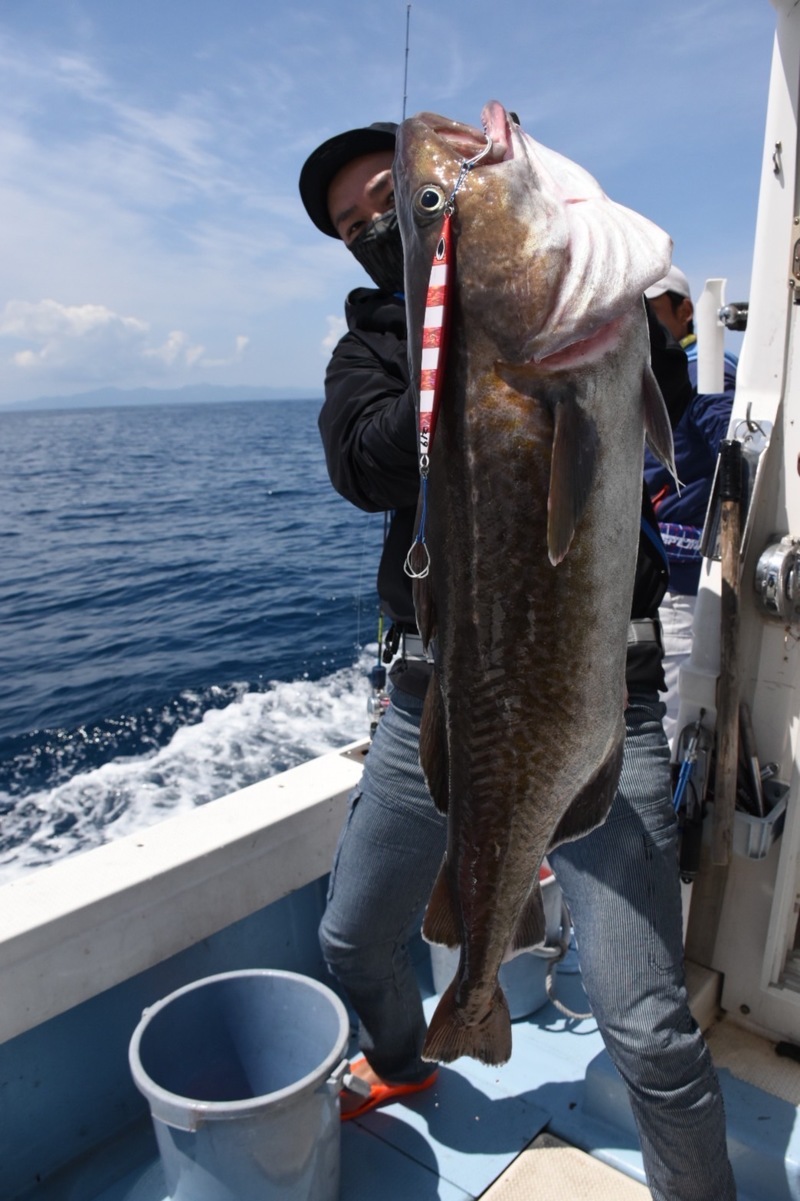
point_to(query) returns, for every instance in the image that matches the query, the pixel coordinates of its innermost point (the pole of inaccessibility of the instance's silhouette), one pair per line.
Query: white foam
(253, 737)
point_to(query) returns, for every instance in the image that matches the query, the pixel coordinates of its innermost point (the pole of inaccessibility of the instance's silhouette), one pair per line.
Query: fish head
(544, 260)
(510, 238)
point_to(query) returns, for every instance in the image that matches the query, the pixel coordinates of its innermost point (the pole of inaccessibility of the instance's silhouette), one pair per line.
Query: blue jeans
(622, 885)
(388, 855)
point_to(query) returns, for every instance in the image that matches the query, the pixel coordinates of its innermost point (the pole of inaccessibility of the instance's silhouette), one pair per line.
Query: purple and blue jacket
(697, 437)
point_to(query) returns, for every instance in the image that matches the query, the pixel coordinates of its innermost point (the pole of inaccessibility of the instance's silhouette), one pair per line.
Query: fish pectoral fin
(449, 1037)
(573, 460)
(440, 924)
(433, 745)
(589, 808)
(531, 926)
(658, 429)
(572, 470)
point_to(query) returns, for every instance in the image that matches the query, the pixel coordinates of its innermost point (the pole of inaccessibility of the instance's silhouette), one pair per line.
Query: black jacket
(369, 431)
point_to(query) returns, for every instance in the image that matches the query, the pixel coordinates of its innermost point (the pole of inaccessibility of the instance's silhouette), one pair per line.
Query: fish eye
(429, 200)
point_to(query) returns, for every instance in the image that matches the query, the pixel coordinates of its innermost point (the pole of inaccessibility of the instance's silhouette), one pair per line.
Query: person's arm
(368, 427)
(711, 414)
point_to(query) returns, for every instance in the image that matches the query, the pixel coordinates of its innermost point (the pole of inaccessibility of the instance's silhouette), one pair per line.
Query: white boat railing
(72, 930)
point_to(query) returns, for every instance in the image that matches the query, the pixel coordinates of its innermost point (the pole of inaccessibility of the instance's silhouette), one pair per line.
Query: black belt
(644, 629)
(414, 650)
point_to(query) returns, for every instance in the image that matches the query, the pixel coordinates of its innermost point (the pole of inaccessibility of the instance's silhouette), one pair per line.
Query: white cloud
(59, 331)
(177, 346)
(241, 343)
(62, 337)
(48, 318)
(337, 326)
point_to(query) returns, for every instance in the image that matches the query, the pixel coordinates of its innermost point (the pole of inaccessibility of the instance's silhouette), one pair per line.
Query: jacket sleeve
(711, 415)
(368, 426)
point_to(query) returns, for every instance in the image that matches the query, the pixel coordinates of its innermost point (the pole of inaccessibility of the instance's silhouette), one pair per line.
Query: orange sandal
(382, 1094)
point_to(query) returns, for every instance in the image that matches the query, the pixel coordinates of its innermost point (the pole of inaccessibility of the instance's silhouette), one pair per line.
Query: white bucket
(242, 1073)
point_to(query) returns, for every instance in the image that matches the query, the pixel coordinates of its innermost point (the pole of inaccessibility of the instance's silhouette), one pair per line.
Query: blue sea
(186, 606)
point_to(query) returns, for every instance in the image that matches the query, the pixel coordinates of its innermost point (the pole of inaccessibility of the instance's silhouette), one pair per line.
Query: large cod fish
(532, 525)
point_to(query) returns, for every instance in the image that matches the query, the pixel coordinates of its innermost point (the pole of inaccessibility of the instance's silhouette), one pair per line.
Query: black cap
(328, 159)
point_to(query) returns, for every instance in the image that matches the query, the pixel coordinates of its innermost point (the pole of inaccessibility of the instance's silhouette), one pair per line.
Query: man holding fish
(524, 717)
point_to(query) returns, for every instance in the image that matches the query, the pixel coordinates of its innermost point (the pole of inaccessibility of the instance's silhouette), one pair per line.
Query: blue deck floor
(452, 1141)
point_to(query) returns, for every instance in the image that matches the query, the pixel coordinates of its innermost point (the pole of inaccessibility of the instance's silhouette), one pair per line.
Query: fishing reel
(777, 581)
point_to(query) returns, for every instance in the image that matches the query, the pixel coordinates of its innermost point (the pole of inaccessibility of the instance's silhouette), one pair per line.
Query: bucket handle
(336, 1080)
(341, 1077)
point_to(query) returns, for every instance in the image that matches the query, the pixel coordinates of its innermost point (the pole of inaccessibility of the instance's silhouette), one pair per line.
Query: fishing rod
(378, 701)
(405, 75)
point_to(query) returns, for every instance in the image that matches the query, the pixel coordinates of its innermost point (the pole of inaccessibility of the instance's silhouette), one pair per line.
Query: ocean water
(186, 606)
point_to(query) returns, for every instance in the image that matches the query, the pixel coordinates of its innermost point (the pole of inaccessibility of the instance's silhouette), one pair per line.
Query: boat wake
(218, 746)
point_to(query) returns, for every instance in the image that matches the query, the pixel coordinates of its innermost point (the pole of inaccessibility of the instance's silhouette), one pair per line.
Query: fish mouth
(468, 141)
(497, 126)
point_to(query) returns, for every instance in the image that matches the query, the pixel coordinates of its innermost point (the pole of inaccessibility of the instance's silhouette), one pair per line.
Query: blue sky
(150, 227)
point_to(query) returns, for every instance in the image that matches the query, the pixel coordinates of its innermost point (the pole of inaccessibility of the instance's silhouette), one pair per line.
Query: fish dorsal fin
(531, 926)
(572, 470)
(433, 745)
(656, 422)
(592, 803)
(440, 924)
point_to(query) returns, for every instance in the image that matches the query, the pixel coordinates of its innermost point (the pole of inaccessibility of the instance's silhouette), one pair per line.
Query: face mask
(379, 250)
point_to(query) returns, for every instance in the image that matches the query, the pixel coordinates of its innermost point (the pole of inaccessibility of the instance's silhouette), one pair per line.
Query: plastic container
(753, 836)
(242, 1073)
(523, 978)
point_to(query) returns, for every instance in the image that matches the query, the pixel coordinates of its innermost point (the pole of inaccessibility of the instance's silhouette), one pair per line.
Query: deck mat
(751, 1058)
(551, 1168)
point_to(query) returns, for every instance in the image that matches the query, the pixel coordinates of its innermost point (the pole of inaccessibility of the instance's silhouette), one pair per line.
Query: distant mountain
(103, 398)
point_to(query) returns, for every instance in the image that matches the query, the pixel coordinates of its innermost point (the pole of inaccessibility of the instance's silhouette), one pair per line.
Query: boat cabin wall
(743, 919)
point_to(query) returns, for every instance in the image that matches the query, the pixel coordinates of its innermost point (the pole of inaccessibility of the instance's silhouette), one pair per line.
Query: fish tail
(449, 1037)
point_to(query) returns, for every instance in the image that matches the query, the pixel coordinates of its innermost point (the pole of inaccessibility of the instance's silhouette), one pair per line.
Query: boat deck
(531, 1129)
(88, 944)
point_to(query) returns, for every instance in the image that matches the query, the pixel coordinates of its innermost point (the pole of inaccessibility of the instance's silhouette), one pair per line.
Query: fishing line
(360, 583)
(378, 699)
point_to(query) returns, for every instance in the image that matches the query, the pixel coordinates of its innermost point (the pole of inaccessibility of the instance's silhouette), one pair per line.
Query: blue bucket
(242, 1073)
